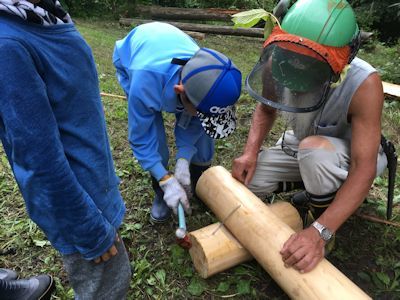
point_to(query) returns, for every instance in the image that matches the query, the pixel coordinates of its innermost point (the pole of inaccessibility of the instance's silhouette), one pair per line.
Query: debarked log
(214, 249)
(263, 234)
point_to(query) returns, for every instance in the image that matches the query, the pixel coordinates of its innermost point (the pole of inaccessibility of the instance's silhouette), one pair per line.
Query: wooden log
(262, 233)
(214, 29)
(196, 35)
(175, 13)
(391, 89)
(214, 249)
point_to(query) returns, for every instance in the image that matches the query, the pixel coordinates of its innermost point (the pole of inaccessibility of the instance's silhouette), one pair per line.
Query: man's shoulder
(359, 63)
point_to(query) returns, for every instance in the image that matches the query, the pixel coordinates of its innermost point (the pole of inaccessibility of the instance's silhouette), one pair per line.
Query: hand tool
(182, 238)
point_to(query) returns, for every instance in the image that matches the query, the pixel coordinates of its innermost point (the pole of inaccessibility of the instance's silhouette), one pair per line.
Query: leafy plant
(252, 17)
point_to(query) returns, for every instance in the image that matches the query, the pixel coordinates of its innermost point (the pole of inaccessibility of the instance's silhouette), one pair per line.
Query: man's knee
(316, 142)
(320, 166)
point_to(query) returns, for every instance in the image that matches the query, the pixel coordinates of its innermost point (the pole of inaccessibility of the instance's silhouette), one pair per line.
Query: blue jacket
(53, 132)
(144, 70)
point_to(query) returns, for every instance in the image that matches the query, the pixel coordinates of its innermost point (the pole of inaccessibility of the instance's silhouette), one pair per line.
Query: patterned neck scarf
(45, 12)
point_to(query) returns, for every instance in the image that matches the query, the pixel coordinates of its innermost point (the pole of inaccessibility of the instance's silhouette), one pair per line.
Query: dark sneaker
(35, 288)
(7, 274)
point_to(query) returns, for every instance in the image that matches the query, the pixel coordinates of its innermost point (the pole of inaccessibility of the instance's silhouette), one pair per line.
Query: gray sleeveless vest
(333, 119)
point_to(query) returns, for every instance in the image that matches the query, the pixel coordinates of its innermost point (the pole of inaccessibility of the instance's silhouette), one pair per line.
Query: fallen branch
(377, 220)
(112, 96)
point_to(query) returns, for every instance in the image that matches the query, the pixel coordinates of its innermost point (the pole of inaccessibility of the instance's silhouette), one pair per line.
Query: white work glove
(182, 174)
(174, 193)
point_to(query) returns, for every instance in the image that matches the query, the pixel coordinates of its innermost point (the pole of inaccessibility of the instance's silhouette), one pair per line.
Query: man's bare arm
(365, 116)
(244, 166)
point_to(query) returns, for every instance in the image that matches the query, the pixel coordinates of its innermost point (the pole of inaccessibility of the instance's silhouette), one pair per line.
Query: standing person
(333, 104)
(53, 131)
(161, 69)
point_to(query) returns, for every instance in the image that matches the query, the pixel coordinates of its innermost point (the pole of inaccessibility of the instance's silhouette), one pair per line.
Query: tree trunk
(262, 233)
(215, 29)
(175, 13)
(214, 249)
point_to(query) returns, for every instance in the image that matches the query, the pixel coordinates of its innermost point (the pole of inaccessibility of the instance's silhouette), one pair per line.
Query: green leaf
(149, 291)
(151, 280)
(240, 270)
(383, 277)
(70, 294)
(188, 272)
(243, 287)
(137, 226)
(40, 243)
(377, 282)
(395, 283)
(223, 287)
(161, 275)
(249, 18)
(364, 276)
(177, 255)
(196, 287)
(269, 25)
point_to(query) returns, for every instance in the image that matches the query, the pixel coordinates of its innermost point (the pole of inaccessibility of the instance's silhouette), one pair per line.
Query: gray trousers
(322, 171)
(106, 280)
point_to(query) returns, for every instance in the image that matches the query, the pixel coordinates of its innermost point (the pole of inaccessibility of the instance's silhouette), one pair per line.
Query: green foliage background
(382, 17)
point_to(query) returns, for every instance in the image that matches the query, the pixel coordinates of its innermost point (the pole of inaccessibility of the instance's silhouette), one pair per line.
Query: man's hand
(174, 193)
(303, 250)
(182, 174)
(109, 253)
(243, 168)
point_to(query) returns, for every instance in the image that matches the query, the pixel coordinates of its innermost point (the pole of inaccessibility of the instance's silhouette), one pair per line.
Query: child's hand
(109, 253)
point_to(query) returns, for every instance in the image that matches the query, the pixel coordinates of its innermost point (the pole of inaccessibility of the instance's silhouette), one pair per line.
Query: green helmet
(327, 22)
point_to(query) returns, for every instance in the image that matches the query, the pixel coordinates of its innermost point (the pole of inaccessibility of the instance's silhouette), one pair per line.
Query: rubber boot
(160, 212)
(310, 210)
(301, 201)
(34, 288)
(287, 186)
(195, 172)
(7, 274)
(310, 206)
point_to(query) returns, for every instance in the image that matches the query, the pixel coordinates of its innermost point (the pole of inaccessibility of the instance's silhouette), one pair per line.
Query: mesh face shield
(290, 77)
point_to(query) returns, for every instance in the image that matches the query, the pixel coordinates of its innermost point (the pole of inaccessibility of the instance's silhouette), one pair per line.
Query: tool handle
(391, 155)
(181, 217)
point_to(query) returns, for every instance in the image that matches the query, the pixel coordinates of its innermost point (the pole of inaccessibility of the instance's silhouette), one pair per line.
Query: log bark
(214, 249)
(262, 233)
(205, 28)
(174, 13)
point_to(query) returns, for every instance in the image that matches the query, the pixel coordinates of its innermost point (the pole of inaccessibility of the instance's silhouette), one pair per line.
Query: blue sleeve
(55, 200)
(186, 137)
(121, 73)
(144, 103)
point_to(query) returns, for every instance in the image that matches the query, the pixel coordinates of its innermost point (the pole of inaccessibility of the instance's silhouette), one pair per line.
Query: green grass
(366, 252)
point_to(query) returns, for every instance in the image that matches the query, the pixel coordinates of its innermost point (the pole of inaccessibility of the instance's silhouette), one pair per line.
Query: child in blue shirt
(162, 69)
(53, 131)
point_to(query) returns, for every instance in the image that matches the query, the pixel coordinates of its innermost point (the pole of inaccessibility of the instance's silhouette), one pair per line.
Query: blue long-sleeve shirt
(144, 70)
(53, 132)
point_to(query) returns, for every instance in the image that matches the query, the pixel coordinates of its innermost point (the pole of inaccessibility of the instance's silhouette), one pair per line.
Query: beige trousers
(322, 171)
